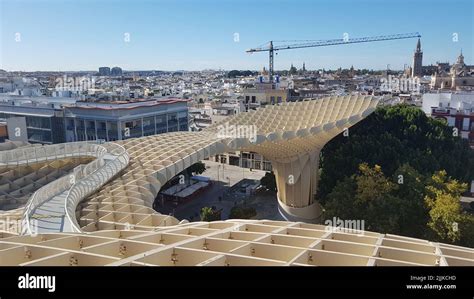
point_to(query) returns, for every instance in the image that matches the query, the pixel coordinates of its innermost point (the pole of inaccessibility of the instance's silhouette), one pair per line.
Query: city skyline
(185, 35)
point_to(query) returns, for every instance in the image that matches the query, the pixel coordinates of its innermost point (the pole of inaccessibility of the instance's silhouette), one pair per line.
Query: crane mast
(271, 48)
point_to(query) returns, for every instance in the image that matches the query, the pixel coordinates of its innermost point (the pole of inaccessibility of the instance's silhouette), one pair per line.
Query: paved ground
(224, 173)
(266, 206)
(221, 175)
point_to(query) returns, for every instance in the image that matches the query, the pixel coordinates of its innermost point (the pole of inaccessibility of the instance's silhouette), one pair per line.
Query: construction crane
(271, 48)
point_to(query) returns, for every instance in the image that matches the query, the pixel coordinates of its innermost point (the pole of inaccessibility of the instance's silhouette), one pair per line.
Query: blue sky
(194, 35)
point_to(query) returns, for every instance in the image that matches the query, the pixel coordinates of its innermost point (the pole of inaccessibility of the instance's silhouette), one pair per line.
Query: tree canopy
(268, 181)
(242, 212)
(391, 137)
(415, 206)
(445, 208)
(237, 73)
(402, 173)
(210, 214)
(196, 168)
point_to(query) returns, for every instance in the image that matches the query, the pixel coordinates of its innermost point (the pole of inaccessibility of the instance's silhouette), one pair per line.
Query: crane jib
(331, 42)
(321, 43)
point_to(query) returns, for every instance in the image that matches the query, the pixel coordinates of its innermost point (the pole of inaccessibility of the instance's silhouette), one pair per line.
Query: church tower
(460, 59)
(417, 69)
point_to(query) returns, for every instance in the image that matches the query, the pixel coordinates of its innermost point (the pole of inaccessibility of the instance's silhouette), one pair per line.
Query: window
(172, 122)
(38, 122)
(149, 123)
(465, 124)
(70, 124)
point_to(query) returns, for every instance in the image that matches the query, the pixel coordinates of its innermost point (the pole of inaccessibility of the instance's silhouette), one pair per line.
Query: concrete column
(76, 138)
(119, 130)
(297, 183)
(95, 128)
(85, 129)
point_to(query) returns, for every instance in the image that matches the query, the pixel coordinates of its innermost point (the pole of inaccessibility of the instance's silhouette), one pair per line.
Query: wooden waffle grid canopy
(229, 243)
(290, 135)
(120, 227)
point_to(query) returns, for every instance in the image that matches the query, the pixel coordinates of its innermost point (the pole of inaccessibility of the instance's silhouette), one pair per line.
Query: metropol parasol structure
(90, 203)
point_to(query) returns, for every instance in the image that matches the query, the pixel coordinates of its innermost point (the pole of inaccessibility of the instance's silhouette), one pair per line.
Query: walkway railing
(35, 154)
(53, 152)
(116, 161)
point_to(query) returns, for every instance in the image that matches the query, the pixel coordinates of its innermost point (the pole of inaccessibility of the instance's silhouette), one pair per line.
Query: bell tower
(417, 69)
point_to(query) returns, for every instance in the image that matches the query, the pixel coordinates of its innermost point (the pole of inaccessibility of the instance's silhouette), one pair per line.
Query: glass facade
(85, 129)
(44, 129)
(101, 127)
(183, 121)
(149, 126)
(172, 122)
(112, 132)
(161, 124)
(132, 129)
(39, 135)
(38, 122)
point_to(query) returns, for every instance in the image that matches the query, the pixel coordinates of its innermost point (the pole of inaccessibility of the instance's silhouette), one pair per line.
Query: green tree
(269, 181)
(411, 192)
(466, 227)
(340, 202)
(374, 200)
(367, 195)
(236, 73)
(196, 168)
(242, 212)
(407, 204)
(210, 214)
(442, 198)
(409, 146)
(391, 137)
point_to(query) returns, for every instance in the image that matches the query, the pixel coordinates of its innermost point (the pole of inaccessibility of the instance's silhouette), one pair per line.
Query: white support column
(297, 182)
